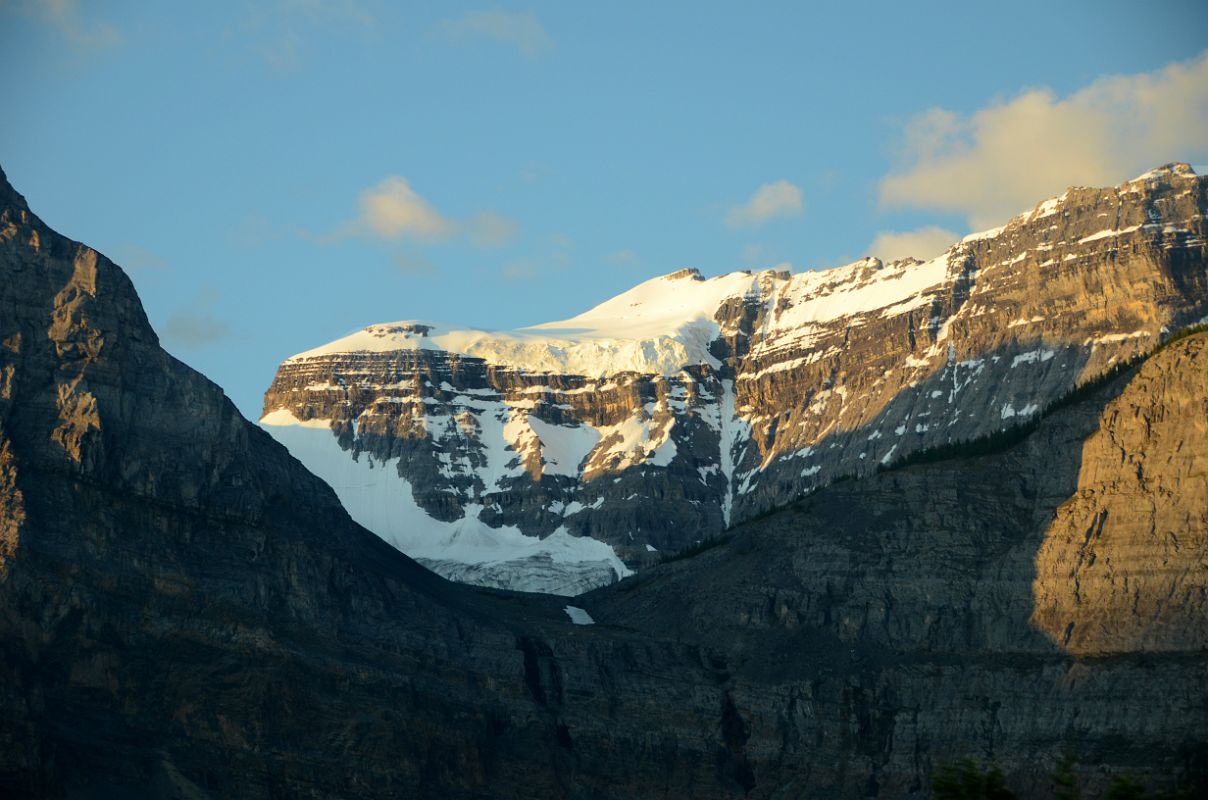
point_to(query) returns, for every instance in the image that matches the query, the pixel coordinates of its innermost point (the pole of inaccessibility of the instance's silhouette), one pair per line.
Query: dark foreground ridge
(186, 612)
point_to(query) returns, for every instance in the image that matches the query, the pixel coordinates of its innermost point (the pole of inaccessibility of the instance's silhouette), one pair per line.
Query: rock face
(1052, 593)
(687, 405)
(187, 612)
(1124, 563)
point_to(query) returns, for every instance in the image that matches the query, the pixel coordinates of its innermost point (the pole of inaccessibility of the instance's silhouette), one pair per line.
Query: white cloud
(1004, 158)
(771, 200)
(520, 30)
(490, 230)
(922, 243)
(393, 210)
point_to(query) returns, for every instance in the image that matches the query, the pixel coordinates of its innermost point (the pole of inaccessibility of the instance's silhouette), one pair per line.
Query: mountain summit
(561, 456)
(185, 611)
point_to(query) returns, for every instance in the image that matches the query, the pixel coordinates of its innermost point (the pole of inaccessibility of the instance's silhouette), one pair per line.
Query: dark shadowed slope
(184, 607)
(186, 612)
(1051, 597)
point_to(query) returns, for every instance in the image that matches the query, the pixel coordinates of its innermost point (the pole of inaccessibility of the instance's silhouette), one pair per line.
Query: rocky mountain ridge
(686, 405)
(185, 611)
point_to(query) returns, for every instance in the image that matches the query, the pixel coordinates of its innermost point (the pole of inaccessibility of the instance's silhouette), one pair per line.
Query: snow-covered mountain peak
(685, 403)
(661, 325)
(1174, 169)
(687, 272)
(668, 305)
(657, 327)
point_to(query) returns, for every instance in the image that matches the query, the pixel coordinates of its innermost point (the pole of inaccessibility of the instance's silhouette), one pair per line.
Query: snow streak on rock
(559, 455)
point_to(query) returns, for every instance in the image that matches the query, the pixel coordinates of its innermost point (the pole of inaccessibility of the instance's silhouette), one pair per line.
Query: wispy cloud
(520, 270)
(64, 17)
(490, 230)
(757, 255)
(770, 201)
(521, 30)
(284, 51)
(413, 264)
(623, 258)
(255, 230)
(136, 259)
(285, 33)
(922, 243)
(1001, 159)
(190, 328)
(196, 325)
(557, 254)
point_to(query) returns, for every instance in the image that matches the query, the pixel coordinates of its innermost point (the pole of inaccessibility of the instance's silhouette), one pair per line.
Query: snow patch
(1048, 207)
(986, 234)
(1008, 411)
(1115, 337)
(637, 439)
(283, 416)
(1105, 234)
(732, 429)
(578, 615)
(564, 448)
(377, 497)
(1032, 357)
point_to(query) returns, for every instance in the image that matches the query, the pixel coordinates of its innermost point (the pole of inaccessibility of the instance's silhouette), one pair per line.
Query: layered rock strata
(686, 405)
(187, 612)
(1048, 598)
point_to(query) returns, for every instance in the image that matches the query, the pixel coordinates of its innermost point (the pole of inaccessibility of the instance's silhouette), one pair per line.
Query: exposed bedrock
(185, 611)
(789, 381)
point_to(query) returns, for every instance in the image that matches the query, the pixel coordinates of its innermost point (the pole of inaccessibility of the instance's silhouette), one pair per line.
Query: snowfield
(661, 326)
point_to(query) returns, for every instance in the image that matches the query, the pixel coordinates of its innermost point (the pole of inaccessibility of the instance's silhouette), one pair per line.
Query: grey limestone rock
(813, 377)
(185, 611)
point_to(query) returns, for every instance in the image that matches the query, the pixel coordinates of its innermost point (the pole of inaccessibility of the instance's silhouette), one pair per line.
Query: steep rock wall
(787, 382)
(186, 611)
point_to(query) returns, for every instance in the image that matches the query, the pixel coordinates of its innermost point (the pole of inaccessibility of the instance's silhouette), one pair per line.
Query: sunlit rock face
(1046, 598)
(686, 405)
(185, 611)
(1124, 563)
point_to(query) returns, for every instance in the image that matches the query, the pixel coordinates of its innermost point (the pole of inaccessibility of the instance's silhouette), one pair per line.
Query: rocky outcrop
(1124, 563)
(1050, 597)
(187, 612)
(685, 406)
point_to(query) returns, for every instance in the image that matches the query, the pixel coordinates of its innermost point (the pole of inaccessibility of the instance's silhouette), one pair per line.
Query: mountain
(560, 457)
(186, 612)
(1051, 596)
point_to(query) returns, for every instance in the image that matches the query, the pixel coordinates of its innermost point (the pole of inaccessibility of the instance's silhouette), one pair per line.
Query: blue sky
(274, 175)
